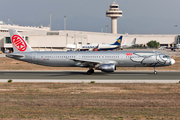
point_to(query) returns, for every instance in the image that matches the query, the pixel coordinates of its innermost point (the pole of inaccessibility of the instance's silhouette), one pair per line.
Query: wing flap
(92, 63)
(86, 63)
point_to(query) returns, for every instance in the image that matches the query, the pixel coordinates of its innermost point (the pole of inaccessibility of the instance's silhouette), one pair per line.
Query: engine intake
(107, 67)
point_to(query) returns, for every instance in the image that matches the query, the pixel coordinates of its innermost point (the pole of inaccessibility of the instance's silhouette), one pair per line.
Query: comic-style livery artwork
(150, 59)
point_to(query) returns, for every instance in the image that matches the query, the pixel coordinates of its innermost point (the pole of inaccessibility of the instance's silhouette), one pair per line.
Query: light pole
(106, 28)
(66, 38)
(50, 20)
(8, 21)
(58, 27)
(175, 26)
(102, 29)
(64, 22)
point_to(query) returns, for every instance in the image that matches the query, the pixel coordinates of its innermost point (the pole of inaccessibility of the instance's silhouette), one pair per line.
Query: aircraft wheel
(89, 72)
(155, 72)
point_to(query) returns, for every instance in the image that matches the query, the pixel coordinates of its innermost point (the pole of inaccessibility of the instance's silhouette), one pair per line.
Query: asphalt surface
(81, 75)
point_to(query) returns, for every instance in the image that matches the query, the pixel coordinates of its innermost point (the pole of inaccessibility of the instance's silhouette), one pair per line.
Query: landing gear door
(34, 56)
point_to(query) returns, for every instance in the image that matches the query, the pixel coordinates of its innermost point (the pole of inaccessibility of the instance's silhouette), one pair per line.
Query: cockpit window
(165, 56)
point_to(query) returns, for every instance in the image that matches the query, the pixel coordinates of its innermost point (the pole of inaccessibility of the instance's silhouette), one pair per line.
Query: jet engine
(107, 67)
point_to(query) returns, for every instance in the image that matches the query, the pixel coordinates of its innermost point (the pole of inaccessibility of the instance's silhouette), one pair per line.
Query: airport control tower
(114, 13)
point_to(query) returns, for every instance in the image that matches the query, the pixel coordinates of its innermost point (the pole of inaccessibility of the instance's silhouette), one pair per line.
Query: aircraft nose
(172, 61)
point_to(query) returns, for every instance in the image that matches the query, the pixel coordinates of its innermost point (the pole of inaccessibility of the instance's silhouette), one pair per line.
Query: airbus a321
(106, 61)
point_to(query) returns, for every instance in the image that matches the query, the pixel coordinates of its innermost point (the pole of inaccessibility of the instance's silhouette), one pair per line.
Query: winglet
(19, 44)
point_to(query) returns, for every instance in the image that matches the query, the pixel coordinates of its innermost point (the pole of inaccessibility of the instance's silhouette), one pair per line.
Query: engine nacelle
(107, 67)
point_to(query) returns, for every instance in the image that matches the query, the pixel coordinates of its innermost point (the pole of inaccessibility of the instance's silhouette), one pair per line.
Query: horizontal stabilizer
(15, 56)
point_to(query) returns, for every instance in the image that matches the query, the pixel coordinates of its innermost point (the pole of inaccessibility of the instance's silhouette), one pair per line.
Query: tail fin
(118, 41)
(134, 41)
(19, 44)
(123, 42)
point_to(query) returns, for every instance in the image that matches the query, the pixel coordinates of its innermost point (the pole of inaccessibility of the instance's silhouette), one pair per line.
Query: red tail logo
(19, 43)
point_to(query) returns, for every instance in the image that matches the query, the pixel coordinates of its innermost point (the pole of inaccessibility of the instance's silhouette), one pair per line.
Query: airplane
(124, 45)
(174, 48)
(106, 61)
(115, 45)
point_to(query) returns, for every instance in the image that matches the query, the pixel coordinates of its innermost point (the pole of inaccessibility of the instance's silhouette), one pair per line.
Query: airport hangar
(42, 39)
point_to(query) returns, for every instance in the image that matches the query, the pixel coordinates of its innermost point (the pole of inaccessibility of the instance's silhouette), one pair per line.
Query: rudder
(134, 41)
(118, 41)
(19, 44)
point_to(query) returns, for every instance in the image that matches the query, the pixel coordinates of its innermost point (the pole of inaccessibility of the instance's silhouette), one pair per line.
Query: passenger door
(121, 58)
(34, 56)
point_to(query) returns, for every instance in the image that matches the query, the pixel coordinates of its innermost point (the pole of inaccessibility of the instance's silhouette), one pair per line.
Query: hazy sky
(139, 16)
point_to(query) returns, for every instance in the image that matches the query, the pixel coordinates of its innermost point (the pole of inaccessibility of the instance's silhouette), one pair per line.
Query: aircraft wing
(89, 61)
(86, 63)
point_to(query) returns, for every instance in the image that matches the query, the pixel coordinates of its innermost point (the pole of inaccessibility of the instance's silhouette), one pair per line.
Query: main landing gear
(90, 71)
(155, 72)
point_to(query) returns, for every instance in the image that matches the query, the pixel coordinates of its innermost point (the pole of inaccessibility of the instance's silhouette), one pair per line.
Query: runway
(79, 76)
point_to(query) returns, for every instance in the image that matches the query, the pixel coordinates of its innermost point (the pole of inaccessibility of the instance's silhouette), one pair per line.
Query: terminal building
(43, 39)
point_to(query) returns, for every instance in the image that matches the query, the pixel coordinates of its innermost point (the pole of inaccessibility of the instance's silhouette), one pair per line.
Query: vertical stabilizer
(134, 41)
(118, 41)
(123, 42)
(19, 44)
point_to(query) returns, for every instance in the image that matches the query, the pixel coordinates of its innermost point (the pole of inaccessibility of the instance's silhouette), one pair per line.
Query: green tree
(153, 44)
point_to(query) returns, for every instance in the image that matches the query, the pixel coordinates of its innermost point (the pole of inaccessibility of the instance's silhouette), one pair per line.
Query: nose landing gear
(155, 72)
